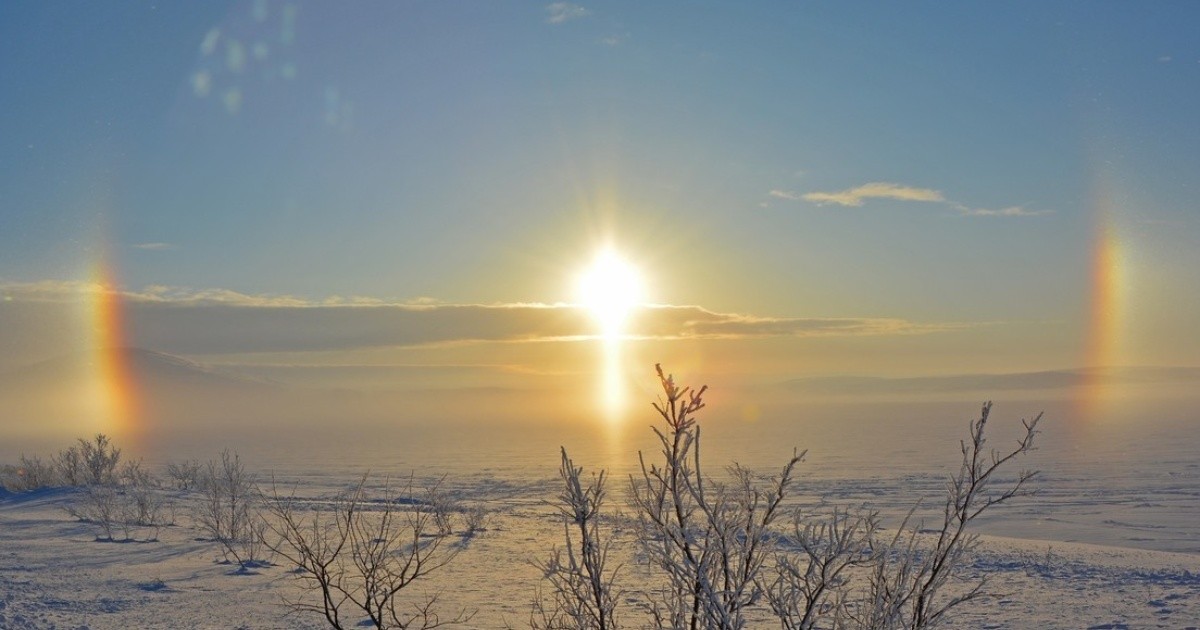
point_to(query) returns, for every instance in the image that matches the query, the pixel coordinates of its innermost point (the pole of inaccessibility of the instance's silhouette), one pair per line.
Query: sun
(610, 288)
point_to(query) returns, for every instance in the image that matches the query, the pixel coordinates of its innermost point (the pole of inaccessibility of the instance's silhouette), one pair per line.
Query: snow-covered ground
(55, 574)
(1111, 540)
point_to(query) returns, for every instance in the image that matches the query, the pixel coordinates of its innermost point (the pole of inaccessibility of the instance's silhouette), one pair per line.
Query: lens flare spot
(208, 45)
(235, 56)
(201, 84)
(233, 100)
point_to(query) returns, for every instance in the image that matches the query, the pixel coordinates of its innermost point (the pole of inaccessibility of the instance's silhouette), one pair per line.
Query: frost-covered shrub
(84, 463)
(30, 473)
(719, 553)
(185, 475)
(69, 465)
(91, 462)
(136, 506)
(100, 459)
(580, 576)
(132, 473)
(444, 507)
(360, 556)
(476, 518)
(143, 505)
(228, 510)
(100, 505)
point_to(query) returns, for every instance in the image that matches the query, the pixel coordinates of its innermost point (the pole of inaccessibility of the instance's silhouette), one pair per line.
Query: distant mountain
(150, 371)
(1050, 379)
(161, 395)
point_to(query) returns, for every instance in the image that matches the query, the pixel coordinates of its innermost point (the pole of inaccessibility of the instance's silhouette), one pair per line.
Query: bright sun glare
(610, 288)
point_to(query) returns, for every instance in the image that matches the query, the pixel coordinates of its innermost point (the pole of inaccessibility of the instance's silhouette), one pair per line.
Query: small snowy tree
(584, 595)
(100, 459)
(100, 506)
(133, 504)
(32, 474)
(358, 557)
(185, 474)
(710, 539)
(69, 465)
(91, 462)
(720, 553)
(444, 507)
(228, 510)
(910, 580)
(810, 581)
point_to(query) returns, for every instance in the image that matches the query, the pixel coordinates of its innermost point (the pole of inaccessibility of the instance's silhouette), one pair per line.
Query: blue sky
(480, 152)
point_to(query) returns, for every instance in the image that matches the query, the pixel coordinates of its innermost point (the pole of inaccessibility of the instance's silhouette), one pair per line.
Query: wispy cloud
(213, 321)
(78, 290)
(1011, 211)
(855, 197)
(731, 325)
(874, 190)
(615, 40)
(153, 246)
(559, 12)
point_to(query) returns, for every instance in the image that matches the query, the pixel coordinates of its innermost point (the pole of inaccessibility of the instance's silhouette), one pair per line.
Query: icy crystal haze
(408, 252)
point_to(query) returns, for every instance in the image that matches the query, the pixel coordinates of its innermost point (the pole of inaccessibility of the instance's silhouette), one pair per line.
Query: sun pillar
(610, 289)
(114, 401)
(1107, 300)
